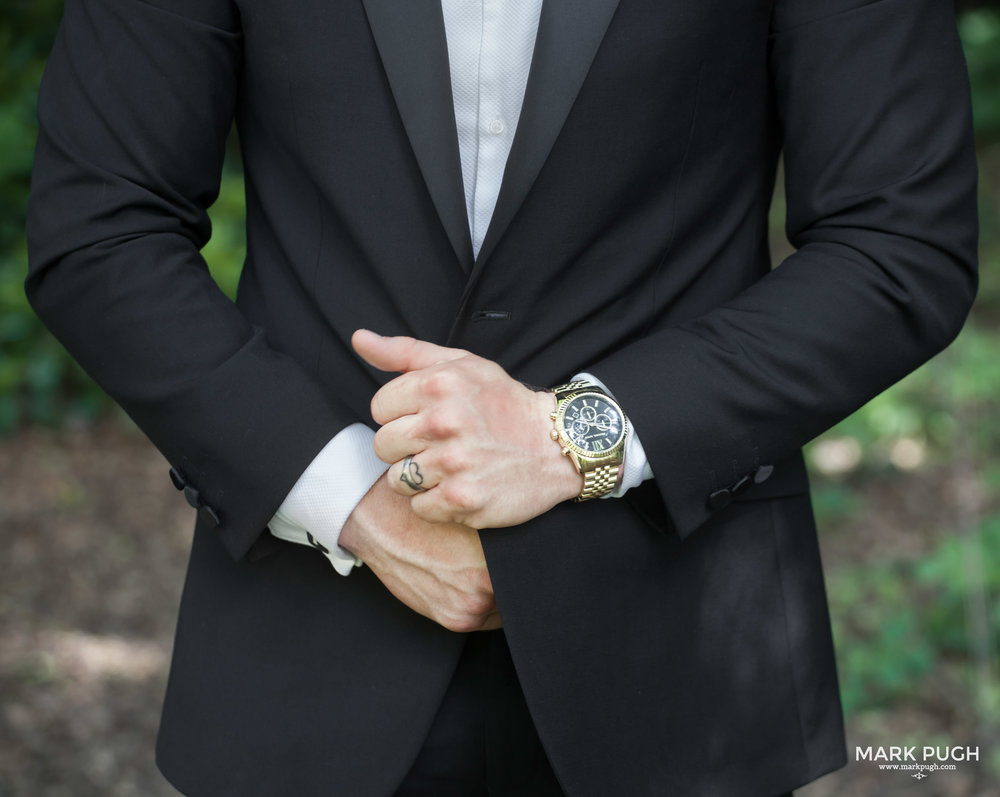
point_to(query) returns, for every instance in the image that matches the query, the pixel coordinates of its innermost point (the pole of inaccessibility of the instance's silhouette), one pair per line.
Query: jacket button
(762, 474)
(177, 479)
(742, 485)
(491, 315)
(209, 516)
(720, 499)
(193, 496)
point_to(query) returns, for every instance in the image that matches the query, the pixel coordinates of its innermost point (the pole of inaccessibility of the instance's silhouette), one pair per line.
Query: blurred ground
(94, 542)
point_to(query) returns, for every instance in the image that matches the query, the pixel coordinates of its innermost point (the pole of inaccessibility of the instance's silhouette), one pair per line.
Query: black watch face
(593, 424)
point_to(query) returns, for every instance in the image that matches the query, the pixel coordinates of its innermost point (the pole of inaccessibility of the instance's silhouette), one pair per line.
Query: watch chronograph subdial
(593, 424)
(604, 422)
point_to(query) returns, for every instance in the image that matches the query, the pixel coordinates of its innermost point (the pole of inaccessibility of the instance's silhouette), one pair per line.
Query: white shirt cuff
(317, 507)
(635, 466)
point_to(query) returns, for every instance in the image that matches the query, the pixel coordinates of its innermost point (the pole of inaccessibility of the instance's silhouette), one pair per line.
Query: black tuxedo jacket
(675, 642)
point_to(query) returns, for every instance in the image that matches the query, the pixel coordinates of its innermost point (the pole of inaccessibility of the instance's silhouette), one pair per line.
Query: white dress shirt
(490, 44)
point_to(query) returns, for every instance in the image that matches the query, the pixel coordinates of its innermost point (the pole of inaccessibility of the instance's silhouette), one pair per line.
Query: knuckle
(424, 509)
(453, 459)
(441, 424)
(478, 605)
(430, 507)
(438, 383)
(460, 496)
(467, 614)
(474, 518)
(461, 624)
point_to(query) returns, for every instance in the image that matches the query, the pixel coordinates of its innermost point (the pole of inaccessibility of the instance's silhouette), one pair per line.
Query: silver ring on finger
(411, 475)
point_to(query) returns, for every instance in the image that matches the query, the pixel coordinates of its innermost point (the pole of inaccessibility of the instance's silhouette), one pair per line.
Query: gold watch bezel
(613, 454)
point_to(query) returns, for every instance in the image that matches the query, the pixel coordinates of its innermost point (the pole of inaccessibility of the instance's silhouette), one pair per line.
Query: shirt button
(496, 127)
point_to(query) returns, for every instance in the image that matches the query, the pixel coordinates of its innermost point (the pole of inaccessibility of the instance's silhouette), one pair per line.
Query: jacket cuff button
(192, 496)
(209, 516)
(177, 480)
(742, 485)
(720, 499)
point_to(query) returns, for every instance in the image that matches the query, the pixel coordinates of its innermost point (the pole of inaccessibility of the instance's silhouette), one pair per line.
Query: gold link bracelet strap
(598, 482)
(561, 391)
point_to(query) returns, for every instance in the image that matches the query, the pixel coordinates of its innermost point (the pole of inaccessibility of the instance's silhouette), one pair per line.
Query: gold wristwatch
(591, 428)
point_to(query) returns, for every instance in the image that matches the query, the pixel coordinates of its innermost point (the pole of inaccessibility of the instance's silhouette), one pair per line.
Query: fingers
(439, 494)
(400, 353)
(439, 571)
(396, 399)
(411, 479)
(416, 476)
(399, 438)
(447, 383)
(431, 387)
(439, 506)
(466, 442)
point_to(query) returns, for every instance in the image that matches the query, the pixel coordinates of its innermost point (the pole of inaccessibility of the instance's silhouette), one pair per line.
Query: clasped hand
(466, 442)
(469, 449)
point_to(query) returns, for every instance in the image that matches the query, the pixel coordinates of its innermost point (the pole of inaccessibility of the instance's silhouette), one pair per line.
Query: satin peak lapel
(569, 33)
(411, 41)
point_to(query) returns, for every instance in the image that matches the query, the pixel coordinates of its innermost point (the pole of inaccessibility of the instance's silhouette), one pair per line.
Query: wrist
(355, 536)
(316, 508)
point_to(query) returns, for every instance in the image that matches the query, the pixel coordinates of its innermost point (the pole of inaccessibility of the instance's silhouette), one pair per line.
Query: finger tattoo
(411, 475)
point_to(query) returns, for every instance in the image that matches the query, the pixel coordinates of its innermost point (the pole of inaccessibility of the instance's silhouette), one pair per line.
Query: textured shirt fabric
(317, 507)
(490, 44)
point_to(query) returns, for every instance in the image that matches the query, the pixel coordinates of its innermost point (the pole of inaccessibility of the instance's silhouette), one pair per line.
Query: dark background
(93, 539)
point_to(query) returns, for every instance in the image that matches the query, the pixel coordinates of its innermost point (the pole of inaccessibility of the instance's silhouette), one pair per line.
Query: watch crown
(553, 434)
(565, 451)
(552, 416)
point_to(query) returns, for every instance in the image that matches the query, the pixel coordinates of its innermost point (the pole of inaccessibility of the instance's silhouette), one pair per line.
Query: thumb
(400, 353)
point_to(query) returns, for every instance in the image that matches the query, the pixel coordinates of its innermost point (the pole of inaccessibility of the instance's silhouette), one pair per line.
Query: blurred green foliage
(903, 638)
(935, 405)
(226, 249)
(39, 383)
(980, 31)
(896, 621)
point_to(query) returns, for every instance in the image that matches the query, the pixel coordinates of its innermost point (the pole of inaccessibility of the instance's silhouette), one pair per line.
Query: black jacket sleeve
(873, 106)
(136, 103)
